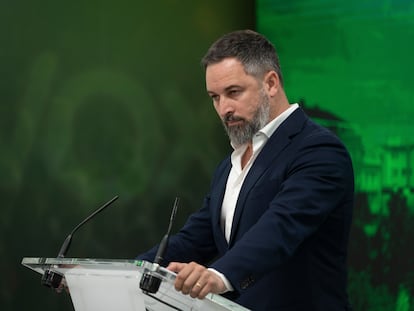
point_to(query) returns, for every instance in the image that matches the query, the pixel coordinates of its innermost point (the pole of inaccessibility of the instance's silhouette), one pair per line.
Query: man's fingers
(202, 286)
(187, 277)
(195, 280)
(176, 266)
(209, 282)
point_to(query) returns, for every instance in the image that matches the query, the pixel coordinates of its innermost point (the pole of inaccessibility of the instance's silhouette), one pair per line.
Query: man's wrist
(227, 284)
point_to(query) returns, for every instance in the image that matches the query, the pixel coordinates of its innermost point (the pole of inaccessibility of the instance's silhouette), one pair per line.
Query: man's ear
(271, 83)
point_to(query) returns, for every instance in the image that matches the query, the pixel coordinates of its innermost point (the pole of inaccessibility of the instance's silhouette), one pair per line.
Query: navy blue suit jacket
(288, 245)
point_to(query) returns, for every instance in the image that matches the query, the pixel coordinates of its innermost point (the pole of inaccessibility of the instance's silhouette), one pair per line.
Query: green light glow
(349, 63)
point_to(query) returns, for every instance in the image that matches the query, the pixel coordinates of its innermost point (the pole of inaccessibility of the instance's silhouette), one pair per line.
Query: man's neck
(247, 155)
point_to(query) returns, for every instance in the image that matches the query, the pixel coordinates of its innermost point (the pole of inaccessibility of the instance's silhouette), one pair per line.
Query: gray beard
(242, 134)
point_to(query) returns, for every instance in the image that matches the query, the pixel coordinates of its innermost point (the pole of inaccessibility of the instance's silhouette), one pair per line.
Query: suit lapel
(274, 146)
(216, 201)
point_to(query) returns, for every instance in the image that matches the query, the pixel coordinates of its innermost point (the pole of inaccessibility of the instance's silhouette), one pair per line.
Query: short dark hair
(253, 50)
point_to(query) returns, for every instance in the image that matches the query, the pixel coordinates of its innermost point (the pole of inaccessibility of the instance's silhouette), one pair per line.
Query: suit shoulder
(314, 131)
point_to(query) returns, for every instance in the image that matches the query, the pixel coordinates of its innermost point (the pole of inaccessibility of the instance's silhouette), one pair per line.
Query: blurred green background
(349, 63)
(100, 99)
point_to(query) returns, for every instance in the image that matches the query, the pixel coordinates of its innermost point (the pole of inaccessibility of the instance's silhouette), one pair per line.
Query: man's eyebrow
(233, 86)
(226, 89)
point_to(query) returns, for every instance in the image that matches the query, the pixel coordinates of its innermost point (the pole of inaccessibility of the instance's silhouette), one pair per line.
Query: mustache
(231, 117)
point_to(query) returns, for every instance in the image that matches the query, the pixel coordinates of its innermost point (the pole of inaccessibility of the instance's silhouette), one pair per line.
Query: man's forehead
(227, 73)
(227, 64)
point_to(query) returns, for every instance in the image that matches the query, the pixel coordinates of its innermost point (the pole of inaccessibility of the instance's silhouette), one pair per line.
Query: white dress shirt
(238, 174)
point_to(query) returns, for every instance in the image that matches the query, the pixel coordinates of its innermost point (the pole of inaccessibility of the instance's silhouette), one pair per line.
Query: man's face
(238, 98)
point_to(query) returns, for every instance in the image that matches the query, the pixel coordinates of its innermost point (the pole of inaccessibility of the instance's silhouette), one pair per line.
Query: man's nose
(225, 107)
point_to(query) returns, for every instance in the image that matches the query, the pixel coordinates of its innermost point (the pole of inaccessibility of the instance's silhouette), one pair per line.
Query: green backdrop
(350, 65)
(100, 98)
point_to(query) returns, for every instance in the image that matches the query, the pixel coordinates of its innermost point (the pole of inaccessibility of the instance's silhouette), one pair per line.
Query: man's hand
(196, 280)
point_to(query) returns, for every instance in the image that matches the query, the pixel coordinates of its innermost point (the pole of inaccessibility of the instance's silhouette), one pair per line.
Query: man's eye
(234, 92)
(214, 97)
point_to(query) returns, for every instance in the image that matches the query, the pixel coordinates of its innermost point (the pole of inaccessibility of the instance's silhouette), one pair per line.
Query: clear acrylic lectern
(108, 285)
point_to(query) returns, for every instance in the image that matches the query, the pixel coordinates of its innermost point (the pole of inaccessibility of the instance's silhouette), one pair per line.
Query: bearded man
(272, 232)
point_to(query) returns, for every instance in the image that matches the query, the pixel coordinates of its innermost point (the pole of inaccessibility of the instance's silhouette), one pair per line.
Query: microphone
(164, 242)
(68, 240)
(53, 279)
(150, 283)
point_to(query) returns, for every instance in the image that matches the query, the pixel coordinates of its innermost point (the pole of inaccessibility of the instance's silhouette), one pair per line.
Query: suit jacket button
(246, 283)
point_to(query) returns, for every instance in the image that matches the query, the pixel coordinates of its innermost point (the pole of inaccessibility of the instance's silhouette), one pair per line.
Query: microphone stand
(150, 283)
(53, 279)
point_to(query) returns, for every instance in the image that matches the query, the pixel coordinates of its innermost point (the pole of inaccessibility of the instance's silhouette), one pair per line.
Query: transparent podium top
(63, 264)
(113, 270)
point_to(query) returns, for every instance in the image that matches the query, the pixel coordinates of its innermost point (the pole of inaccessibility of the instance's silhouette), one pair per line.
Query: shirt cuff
(226, 282)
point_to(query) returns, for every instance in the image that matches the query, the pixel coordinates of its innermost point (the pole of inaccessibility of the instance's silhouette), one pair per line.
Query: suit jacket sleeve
(194, 242)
